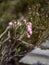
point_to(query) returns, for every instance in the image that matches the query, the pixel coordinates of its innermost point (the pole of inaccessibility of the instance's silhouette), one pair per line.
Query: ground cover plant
(22, 27)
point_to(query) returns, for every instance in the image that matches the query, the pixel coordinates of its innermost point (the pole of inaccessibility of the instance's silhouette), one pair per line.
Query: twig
(27, 44)
(15, 56)
(4, 32)
(5, 40)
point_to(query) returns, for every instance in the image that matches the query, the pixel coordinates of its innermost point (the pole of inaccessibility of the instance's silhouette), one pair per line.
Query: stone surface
(45, 44)
(36, 55)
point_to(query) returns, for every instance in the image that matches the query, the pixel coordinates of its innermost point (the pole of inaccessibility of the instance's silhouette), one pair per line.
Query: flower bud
(24, 20)
(19, 24)
(30, 32)
(28, 36)
(11, 24)
(29, 23)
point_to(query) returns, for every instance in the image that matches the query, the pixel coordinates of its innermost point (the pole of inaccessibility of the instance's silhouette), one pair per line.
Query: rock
(45, 44)
(35, 56)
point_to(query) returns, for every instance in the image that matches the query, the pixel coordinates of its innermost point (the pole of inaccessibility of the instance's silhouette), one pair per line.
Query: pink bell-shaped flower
(11, 24)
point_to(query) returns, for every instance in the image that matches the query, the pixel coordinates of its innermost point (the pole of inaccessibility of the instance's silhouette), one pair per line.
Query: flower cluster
(11, 24)
(29, 29)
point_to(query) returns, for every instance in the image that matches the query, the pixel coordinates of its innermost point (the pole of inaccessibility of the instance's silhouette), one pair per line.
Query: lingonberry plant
(14, 43)
(18, 37)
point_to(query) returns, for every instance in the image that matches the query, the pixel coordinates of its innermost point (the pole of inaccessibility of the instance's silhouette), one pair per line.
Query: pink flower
(29, 28)
(29, 23)
(19, 24)
(11, 24)
(28, 36)
(30, 32)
